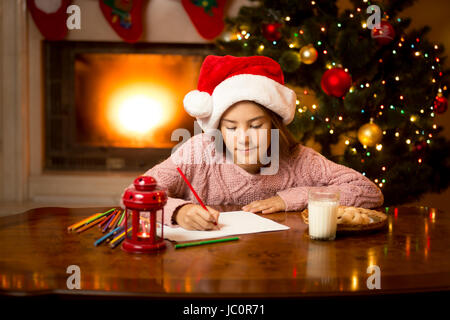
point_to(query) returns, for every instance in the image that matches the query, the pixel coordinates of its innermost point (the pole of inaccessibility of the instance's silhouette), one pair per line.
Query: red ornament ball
(271, 31)
(383, 35)
(336, 82)
(420, 146)
(440, 104)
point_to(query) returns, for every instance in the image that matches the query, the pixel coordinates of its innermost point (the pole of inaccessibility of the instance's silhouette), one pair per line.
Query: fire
(132, 100)
(137, 111)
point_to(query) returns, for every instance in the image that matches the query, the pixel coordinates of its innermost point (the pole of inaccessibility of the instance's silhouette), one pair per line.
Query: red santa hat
(225, 80)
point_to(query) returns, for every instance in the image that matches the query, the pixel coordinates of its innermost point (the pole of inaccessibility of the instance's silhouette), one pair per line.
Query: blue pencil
(99, 241)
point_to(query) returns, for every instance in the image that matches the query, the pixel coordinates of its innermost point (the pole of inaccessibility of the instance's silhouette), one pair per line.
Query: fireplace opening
(114, 106)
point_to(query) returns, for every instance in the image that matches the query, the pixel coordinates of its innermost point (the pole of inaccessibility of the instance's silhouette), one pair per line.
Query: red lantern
(384, 34)
(271, 31)
(146, 203)
(336, 82)
(440, 104)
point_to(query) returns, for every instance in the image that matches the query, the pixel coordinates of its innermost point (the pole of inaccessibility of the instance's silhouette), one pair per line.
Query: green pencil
(190, 244)
(100, 215)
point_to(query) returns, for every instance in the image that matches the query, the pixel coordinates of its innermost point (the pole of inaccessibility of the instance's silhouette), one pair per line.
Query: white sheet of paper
(230, 223)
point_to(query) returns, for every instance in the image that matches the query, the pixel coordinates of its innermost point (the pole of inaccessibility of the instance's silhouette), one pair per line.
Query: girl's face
(245, 128)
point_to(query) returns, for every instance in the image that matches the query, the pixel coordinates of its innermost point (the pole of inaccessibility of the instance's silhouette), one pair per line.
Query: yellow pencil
(88, 219)
(76, 225)
(118, 237)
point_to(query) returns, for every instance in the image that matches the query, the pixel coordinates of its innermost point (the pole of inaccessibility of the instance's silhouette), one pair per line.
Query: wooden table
(413, 255)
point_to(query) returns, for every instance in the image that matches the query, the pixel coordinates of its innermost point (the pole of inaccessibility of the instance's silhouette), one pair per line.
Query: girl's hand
(273, 204)
(194, 217)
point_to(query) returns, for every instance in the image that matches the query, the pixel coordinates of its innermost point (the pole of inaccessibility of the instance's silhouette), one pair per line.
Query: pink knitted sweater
(223, 182)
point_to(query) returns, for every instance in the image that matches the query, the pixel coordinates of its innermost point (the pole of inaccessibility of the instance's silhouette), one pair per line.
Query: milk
(322, 217)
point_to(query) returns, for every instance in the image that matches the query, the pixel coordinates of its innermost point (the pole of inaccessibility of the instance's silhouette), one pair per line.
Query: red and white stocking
(50, 17)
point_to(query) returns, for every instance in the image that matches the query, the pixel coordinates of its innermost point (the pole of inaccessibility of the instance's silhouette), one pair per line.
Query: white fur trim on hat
(260, 89)
(198, 104)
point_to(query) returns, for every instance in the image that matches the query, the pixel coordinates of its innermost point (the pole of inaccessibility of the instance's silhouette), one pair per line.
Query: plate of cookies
(355, 219)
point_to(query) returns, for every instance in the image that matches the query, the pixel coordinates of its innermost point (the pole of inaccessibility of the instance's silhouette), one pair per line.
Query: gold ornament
(308, 54)
(244, 28)
(370, 134)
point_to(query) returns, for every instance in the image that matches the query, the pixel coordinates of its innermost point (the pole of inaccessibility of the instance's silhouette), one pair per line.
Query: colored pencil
(105, 227)
(80, 223)
(106, 236)
(101, 215)
(101, 225)
(119, 239)
(117, 242)
(122, 223)
(121, 218)
(88, 220)
(113, 224)
(190, 244)
(193, 191)
(90, 225)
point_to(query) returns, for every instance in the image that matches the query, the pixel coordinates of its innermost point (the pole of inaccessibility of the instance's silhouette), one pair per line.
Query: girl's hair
(288, 143)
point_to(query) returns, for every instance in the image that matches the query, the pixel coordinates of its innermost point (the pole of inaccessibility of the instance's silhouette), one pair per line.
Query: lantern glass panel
(144, 225)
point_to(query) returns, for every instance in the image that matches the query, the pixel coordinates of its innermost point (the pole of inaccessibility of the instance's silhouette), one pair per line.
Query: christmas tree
(376, 88)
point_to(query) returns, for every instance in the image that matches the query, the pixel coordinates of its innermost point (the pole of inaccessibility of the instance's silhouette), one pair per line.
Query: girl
(239, 103)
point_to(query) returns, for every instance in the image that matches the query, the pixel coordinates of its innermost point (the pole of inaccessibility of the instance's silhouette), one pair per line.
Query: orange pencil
(89, 219)
(113, 222)
(101, 225)
(93, 223)
(193, 191)
(80, 223)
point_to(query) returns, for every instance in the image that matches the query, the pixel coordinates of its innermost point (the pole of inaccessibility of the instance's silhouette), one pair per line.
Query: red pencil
(108, 217)
(193, 191)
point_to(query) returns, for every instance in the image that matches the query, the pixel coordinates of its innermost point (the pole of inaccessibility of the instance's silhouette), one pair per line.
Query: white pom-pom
(198, 104)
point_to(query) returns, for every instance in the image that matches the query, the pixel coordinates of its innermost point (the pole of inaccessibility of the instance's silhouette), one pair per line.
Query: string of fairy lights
(422, 135)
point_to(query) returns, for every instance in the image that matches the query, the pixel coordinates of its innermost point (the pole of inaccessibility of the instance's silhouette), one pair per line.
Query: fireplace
(113, 106)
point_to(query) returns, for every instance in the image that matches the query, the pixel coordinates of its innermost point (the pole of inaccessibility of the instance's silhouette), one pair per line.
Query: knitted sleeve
(313, 170)
(168, 177)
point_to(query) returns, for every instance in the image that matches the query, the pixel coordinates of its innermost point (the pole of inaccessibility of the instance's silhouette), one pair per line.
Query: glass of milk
(322, 213)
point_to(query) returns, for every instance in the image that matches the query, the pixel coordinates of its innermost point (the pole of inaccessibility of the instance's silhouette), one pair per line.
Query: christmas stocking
(206, 15)
(50, 17)
(125, 17)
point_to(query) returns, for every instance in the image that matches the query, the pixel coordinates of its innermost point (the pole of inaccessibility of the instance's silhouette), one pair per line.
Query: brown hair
(288, 143)
(287, 139)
